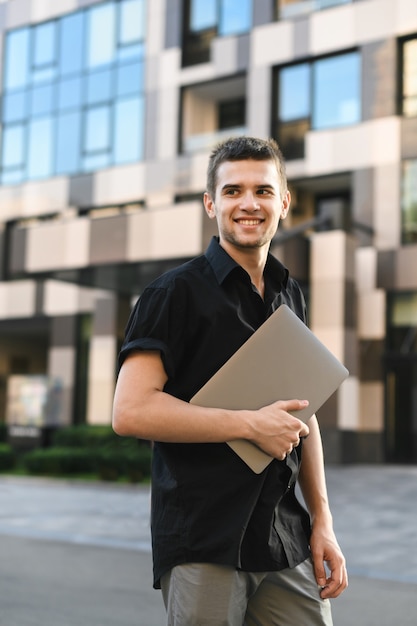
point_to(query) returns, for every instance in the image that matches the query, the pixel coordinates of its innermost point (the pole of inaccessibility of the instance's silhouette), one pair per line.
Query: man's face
(247, 204)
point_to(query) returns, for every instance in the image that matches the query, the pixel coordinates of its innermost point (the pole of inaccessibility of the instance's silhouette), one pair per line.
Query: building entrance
(401, 409)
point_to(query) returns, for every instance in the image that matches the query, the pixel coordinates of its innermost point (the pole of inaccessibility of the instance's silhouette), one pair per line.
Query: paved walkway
(105, 530)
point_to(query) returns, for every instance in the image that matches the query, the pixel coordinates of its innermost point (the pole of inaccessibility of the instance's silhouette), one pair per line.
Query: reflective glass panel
(68, 134)
(128, 130)
(97, 129)
(409, 201)
(99, 86)
(96, 161)
(14, 106)
(13, 146)
(336, 91)
(133, 51)
(69, 93)
(294, 92)
(101, 34)
(132, 24)
(235, 16)
(71, 49)
(44, 44)
(203, 14)
(410, 78)
(42, 99)
(17, 59)
(129, 79)
(40, 148)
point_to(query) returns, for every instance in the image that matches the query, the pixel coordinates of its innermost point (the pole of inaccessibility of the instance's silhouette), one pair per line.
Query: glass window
(71, 47)
(410, 77)
(44, 44)
(97, 129)
(40, 148)
(69, 93)
(99, 86)
(409, 201)
(203, 14)
(294, 92)
(287, 9)
(71, 88)
(42, 99)
(132, 22)
(128, 127)
(235, 16)
(101, 35)
(322, 94)
(336, 91)
(13, 146)
(68, 142)
(129, 79)
(14, 106)
(17, 59)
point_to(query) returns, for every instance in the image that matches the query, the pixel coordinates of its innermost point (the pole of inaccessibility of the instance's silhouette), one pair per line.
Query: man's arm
(143, 410)
(323, 542)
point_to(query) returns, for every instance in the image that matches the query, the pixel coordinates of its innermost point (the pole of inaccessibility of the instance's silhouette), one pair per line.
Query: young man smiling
(230, 547)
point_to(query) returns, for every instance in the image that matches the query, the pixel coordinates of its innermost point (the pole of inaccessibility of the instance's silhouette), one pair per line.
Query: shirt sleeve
(157, 323)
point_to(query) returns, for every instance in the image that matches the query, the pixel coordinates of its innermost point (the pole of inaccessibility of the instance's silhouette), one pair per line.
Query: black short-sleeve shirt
(207, 505)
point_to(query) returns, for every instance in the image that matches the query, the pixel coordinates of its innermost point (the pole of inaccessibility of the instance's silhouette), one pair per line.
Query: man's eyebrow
(230, 186)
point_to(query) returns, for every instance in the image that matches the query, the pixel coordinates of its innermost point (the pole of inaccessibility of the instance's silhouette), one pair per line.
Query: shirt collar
(223, 264)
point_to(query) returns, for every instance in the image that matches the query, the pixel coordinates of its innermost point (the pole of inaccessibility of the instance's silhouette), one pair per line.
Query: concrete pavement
(73, 554)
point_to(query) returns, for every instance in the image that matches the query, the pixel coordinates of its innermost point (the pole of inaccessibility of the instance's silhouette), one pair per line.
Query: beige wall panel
(327, 305)
(66, 299)
(18, 13)
(166, 233)
(10, 202)
(387, 214)
(17, 299)
(224, 55)
(198, 168)
(333, 29)
(369, 144)
(119, 184)
(365, 269)
(103, 355)
(328, 255)
(155, 26)
(258, 101)
(406, 270)
(47, 9)
(371, 314)
(138, 236)
(46, 196)
(45, 246)
(374, 20)
(332, 337)
(167, 123)
(272, 43)
(348, 404)
(371, 402)
(77, 241)
(406, 16)
(177, 232)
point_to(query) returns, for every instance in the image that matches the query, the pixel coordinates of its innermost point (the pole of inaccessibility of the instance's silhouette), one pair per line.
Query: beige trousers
(200, 594)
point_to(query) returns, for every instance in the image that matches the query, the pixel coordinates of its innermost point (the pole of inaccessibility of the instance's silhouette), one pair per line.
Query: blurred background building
(108, 113)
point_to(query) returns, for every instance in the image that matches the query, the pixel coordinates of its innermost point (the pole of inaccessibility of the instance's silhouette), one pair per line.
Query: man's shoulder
(187, 272)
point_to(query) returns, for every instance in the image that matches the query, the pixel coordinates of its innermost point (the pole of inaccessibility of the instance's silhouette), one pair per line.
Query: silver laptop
(282, 360)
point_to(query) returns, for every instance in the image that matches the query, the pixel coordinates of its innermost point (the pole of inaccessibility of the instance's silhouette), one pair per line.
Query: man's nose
(250, 202)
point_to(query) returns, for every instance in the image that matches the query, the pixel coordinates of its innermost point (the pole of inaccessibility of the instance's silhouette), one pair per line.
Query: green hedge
(91, 450)
(7, 457)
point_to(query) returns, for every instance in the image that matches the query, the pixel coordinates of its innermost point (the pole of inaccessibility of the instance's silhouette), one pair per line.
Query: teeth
(249, 222)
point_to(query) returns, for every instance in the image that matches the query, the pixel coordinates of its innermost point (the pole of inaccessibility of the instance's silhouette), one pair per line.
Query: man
(230, 546)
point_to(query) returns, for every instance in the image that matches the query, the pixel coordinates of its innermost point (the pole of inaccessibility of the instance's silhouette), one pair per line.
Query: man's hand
(326, 551)
(276, 431)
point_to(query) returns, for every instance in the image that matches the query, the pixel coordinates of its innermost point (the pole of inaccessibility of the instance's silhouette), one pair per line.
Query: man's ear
(209, 205)
(286, 201)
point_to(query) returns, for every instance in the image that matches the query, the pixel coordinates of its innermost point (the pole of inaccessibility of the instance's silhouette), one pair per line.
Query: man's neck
(252, 260)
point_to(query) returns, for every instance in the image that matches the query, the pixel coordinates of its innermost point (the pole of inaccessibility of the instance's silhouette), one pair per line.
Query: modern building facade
(109, 110)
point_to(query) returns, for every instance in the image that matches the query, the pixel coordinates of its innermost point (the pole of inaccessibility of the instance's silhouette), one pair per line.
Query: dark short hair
(242, 149)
